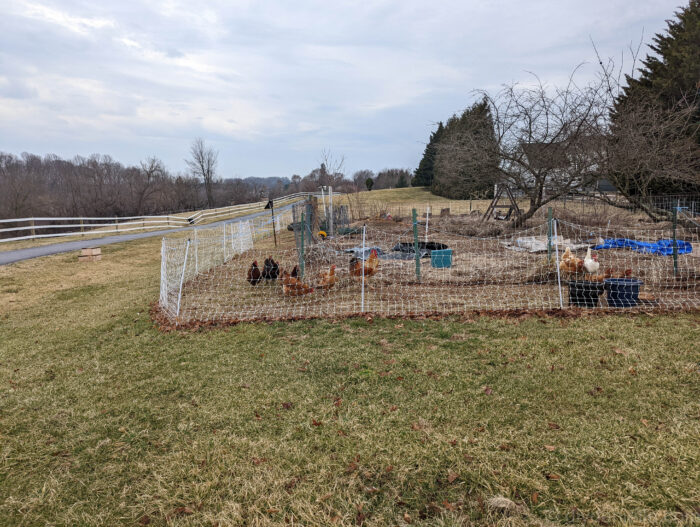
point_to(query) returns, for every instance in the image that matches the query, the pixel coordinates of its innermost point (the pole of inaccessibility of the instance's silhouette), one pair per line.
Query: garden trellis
(204, 279)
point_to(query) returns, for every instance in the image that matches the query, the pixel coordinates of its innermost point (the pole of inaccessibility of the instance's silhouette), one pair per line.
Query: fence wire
(540, 268)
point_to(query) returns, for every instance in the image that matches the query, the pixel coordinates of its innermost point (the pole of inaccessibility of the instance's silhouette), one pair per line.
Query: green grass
(104, 420)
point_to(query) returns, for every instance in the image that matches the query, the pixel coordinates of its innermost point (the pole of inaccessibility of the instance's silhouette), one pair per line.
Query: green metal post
(415, 243)
(675, 244)
(301, 252)
(549, 234)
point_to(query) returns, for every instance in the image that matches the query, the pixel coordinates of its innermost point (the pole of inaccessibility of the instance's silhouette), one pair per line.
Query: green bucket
(441, 258)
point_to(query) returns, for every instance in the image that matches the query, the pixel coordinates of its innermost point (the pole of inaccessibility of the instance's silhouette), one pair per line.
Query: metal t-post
(415, 243)
(549, 235)
(331, 225)
(675, 242)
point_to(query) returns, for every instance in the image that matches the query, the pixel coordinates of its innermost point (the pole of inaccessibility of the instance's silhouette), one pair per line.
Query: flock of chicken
(570, 264)
(292, 285)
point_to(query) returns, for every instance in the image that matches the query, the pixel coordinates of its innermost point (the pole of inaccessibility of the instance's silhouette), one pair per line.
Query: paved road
(8, 257)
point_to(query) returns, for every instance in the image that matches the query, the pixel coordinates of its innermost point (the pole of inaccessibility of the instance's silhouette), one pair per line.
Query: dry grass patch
(107, 421)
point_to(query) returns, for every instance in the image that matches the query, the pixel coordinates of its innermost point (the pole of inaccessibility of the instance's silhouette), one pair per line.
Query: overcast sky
(271, 84)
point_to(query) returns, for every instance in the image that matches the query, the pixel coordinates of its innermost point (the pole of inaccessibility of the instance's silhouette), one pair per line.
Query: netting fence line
(183, 259)
(405, 269)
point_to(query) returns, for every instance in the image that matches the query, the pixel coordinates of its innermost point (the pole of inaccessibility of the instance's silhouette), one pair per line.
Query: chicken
(294, 287)
(610, 272)
(254, 274)
(590, 262)
(328, 278)
(368, 268)
(569, 263)
(613, 272)
(271, 269)
(295, 272)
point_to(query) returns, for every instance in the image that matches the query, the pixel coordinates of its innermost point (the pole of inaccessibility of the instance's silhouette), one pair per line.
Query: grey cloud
(273, 83)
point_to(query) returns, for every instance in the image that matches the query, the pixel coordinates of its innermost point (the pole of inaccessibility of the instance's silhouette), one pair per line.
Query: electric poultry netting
(545, 267)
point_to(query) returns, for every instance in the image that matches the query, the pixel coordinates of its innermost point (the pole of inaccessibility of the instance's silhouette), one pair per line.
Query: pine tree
(457, 174)
(674, 71)
(423, 175)
(403, 181)
(667, 76)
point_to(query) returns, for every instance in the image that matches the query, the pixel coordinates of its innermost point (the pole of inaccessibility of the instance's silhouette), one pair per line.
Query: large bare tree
(547, 140)
(203, 166)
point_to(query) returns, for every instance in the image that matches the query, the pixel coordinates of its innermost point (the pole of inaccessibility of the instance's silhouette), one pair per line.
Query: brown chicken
(254, 274)
(328, 278)
(569, 263)
(293, 287)
(368, 268)
(610, 272)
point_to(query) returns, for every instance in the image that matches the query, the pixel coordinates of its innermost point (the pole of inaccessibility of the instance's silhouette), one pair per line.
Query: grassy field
(104, 420)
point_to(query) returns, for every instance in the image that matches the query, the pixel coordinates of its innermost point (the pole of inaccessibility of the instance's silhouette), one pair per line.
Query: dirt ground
(485, 274)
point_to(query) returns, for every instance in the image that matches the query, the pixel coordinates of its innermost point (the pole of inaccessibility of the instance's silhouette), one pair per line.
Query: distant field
(107, 421)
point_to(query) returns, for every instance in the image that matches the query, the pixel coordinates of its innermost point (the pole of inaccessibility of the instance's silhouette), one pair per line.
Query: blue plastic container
(623, 292)
(441, 258)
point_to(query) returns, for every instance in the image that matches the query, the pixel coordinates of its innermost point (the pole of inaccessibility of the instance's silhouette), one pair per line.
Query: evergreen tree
(674, 71)
(458, 173)
(402, 182)
(369, 183)
(667, 76)
(423, 175)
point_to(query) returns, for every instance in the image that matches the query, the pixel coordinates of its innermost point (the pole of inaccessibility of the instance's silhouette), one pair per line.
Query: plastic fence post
(224, 229)
(196, 252)
(675, 243)
(301, 251)
(427, 219)
(163, 297)
(556, 249)
(415, 243)
(362, 301)
(182, 279)
(549, 234)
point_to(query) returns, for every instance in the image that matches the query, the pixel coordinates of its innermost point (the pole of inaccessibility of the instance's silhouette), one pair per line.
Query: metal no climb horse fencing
(388, 268)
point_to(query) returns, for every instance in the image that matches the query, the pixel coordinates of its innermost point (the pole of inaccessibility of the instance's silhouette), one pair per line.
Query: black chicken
(295, 272)
(254, 274)
(271, 269)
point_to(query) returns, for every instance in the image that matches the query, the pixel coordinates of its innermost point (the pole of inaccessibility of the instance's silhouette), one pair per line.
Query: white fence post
(556, 252)
(163, 276)
(427, 218)
(362, 262)
(224, 228)
(196, 251)
(182, 279)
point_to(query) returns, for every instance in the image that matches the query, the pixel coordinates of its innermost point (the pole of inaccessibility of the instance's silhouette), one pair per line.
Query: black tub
(583, 293)
(623, 292)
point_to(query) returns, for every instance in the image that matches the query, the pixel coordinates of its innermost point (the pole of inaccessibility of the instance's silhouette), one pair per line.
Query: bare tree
(547, 140)
(359, 178)
(203, 165)
(647, 140)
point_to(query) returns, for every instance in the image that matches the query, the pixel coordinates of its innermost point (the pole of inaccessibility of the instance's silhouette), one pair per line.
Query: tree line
(98, 185)
(641, 134)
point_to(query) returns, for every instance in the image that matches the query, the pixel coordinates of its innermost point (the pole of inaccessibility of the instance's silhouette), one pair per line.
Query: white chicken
(590, 263)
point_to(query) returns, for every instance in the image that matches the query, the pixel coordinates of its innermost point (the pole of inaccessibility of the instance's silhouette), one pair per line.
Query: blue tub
(623, 292)
(441, 258)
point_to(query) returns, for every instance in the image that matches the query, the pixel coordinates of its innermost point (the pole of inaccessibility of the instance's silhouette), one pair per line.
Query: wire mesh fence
(412, 268)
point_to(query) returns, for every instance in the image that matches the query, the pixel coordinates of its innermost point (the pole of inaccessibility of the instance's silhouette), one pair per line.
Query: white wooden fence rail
(81, 226)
